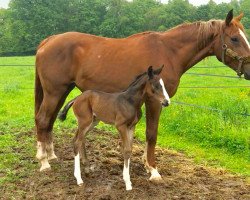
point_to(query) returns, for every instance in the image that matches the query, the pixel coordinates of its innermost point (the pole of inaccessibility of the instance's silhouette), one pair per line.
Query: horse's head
(232, 46)
(155, 86)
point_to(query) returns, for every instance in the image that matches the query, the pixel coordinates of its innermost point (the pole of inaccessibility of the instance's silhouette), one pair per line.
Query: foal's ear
(158, 71)
(229, 17)
(150, 72)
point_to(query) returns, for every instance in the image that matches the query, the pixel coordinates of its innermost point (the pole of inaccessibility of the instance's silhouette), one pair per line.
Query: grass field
(214, 138)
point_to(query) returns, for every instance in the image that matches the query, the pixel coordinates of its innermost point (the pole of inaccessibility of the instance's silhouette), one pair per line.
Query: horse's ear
(229, 17)
(238, 18)
(158, 71)
(150, 72)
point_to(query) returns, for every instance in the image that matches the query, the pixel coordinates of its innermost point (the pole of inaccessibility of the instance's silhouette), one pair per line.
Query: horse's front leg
(127, 138)
(153, 111)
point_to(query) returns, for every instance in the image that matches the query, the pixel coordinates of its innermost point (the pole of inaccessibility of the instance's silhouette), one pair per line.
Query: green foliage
(25, 23)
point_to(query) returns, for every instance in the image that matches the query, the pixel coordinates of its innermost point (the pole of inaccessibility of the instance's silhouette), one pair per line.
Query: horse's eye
(234, 39)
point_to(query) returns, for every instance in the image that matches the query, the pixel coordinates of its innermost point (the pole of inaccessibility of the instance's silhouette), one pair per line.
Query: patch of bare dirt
(182, 179)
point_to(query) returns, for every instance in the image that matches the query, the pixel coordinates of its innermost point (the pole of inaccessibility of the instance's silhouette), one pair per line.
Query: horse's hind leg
(44, 123)
(50, 146)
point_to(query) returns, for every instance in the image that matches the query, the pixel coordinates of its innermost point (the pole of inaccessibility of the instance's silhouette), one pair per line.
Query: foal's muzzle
(165, 103)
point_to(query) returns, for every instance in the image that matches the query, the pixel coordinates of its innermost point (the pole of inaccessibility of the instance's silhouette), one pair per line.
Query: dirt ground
(182, 178)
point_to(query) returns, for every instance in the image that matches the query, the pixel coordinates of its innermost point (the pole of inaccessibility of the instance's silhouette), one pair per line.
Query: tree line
(26, 22)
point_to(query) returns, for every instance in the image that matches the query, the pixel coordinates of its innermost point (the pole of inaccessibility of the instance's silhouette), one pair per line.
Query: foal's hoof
(80, 183)
(129, 187)
(52, 157)
(87, 170)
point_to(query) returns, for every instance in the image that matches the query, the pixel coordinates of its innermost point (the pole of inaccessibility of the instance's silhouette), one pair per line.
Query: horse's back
(94, 62)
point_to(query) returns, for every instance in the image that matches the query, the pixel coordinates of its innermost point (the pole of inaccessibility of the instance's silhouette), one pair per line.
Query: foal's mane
(136, 80)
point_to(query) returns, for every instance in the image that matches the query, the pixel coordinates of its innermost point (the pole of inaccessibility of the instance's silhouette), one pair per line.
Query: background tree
(26, 22)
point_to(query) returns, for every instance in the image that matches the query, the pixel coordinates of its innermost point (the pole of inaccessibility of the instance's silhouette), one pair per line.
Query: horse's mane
(208, 29)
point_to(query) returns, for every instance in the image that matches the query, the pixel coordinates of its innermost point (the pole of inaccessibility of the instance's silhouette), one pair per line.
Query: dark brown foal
(120, 109)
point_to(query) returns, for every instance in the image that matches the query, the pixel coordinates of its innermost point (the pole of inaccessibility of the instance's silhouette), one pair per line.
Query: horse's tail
(63, 113)
(38, 86)
(38, 93)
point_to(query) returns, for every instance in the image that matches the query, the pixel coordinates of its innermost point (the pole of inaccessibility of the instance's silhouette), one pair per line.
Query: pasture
(218, 138)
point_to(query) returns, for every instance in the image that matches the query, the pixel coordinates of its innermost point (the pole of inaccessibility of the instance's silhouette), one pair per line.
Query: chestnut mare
(96, 63)
(120, 109)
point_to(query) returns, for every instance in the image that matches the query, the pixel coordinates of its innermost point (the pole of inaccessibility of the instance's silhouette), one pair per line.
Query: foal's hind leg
(85, 160)
(84, 125)
(79, 144)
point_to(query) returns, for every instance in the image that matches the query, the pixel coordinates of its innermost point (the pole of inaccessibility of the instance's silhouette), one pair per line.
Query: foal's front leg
(125, 134)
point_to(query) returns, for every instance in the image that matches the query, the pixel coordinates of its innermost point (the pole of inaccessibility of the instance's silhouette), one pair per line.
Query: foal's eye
(234, 39)
(158, 87)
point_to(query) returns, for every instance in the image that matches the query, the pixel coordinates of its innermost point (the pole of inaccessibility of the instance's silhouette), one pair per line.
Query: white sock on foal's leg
(77, 170)
(126, 176)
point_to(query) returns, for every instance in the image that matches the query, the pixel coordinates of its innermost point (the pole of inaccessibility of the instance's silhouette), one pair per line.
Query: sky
(4, 3)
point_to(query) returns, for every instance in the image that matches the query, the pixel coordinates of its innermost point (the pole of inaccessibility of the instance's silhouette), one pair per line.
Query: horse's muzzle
(165, 103)
(246, 71)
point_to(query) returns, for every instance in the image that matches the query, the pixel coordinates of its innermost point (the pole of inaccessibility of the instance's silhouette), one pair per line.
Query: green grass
(220, 139)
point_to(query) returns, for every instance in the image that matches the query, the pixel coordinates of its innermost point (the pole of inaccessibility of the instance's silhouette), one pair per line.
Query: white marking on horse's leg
(244, 37)
(126, 176)
(41, 150)
(41, 155)
(45, 165)
(155, 176)
(50, 151)
(165, 91)
(77, 170)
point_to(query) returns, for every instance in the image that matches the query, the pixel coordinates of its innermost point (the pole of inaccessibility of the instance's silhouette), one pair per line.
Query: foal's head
(155, 86)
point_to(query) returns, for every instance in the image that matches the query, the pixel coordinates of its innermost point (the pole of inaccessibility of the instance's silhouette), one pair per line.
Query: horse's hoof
(52, 157)
(156, 179)
(45, 168)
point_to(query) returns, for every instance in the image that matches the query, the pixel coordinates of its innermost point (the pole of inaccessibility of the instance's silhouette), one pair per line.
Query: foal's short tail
(63, 113)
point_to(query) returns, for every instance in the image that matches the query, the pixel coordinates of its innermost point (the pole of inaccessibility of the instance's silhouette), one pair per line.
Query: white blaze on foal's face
(244, 37)
(165, 91)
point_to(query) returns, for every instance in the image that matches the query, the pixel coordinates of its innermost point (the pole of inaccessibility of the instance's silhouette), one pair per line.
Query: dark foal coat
(121, 109)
